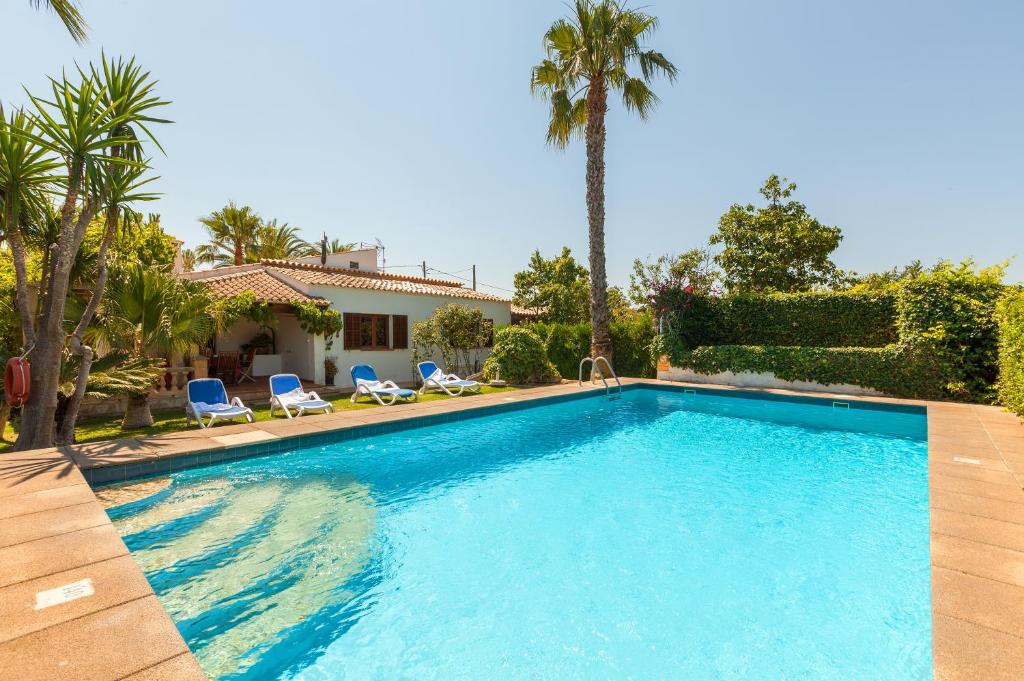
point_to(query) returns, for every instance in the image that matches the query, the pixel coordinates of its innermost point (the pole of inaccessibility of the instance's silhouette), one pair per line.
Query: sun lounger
(450, 384)
(207, 398)
(286, 394)
(364, 378)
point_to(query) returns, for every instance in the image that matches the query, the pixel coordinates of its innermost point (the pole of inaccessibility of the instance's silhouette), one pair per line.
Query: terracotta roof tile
(266, 287)
(317, 275)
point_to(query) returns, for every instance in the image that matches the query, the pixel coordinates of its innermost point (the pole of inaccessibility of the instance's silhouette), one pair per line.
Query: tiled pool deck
(54, 534)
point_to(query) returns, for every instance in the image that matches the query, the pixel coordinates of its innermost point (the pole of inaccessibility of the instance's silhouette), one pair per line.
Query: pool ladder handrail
(596, 361)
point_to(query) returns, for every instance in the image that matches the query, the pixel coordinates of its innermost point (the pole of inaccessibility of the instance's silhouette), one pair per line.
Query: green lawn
(173, 420)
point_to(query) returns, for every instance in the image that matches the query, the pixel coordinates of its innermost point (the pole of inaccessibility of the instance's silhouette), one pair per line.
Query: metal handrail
(595, 361)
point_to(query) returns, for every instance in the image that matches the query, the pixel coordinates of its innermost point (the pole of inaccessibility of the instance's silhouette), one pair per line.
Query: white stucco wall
(391, 364)
(296, 347)
(749, 379)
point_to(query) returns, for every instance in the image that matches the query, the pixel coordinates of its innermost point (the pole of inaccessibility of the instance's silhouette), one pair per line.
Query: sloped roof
(317, 275)
(267, 280)
(267, 287)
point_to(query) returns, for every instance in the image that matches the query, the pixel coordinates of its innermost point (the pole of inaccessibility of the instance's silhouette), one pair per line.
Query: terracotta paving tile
(990, 490)
(291, 428)
(963, 651)
(972, 471)
(979, 506)
(975, 462)
(75, 650)
(983, 560)
(21, 473)
(951, 446)
(976, 528)
(113, 581)
(47, 556)
(181, 668)
(44, 500)
(983, 601)
(48, 523)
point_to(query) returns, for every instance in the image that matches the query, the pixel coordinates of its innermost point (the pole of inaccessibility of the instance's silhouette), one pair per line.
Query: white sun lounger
(450, 384)
(286, 394)
(206, 398)
(364, 378)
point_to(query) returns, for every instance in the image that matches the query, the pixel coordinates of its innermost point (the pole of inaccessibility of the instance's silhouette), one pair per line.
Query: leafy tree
(590, 54)
(145, 243)
(67, 12)
(232, 230)
(455, 332)
(694, 268)
(780, 247)
(558, 286)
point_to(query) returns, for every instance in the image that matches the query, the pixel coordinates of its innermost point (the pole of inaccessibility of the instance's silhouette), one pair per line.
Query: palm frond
(67, 12)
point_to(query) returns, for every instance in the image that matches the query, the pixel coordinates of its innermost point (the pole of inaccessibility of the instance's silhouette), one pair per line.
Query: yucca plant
(589, 55)
(87, 125)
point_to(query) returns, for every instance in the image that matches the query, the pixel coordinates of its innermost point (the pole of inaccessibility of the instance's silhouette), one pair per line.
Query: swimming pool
(662, 535)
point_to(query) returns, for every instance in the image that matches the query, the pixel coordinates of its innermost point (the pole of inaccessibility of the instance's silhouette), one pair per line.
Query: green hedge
(952, 310)
(1010, 316)
(567, 344)
(895, 369)
(826, 319)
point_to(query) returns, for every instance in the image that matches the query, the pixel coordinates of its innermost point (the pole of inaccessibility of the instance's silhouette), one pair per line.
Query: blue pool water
(658, 536)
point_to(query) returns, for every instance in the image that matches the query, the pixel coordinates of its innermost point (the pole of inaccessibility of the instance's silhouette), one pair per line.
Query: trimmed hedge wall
(827, 319)
(941, 323)
(1010, 315)
(567, 344)
(895, 369)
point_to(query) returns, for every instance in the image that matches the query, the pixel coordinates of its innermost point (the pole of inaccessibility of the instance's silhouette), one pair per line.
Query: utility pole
(474, 277)
(424, 269)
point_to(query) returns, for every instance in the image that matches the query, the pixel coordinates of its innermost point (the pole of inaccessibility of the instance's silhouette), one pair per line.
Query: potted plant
(330, 370)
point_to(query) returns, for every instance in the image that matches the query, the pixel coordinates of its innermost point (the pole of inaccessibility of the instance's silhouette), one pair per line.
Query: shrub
(952, 310)
(567, 344)
(895, 369)
(1010, 316)
(518, 357)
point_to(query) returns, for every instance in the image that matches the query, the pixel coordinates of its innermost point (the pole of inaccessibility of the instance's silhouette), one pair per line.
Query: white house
(378, 310)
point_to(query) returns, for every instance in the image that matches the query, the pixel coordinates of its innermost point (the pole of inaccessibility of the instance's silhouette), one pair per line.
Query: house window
(400, 332)
(367, 331)
(353, 265)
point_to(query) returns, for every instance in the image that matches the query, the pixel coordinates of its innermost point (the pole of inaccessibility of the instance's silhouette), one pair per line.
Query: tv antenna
(383, 259)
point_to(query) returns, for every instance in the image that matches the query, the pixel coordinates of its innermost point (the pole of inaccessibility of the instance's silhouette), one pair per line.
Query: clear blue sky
(412, 122)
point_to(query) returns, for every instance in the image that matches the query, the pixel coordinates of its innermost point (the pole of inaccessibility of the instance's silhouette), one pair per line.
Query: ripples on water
(657, 536)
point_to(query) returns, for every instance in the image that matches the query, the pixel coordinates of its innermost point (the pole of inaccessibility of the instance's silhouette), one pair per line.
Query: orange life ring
(16, 381)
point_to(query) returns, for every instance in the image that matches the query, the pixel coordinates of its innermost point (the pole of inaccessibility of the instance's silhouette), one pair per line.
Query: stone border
(98, 618)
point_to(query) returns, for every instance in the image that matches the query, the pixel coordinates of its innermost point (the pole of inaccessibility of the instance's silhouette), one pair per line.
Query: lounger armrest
(237, 402)
(311, 395)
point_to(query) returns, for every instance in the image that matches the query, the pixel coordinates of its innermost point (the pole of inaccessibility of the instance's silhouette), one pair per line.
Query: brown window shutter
(351, 331)
(400, 322)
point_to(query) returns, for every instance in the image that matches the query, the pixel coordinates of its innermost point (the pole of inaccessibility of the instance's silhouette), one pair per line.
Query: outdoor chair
(206, 397)
(364, 378)
(450, 384)
(286, 394)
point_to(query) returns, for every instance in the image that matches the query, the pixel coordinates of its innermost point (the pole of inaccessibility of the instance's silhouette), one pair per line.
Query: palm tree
(149, 312)
(232, 230)
(188, 260)
(337, 246)
(67, 12)
(276, 242)
(589, 54)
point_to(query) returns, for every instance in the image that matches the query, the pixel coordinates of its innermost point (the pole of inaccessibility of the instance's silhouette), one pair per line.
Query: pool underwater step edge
(107, 632)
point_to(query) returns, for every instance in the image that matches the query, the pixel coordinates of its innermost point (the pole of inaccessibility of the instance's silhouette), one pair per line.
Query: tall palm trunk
(239, 254)
(597, 107)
